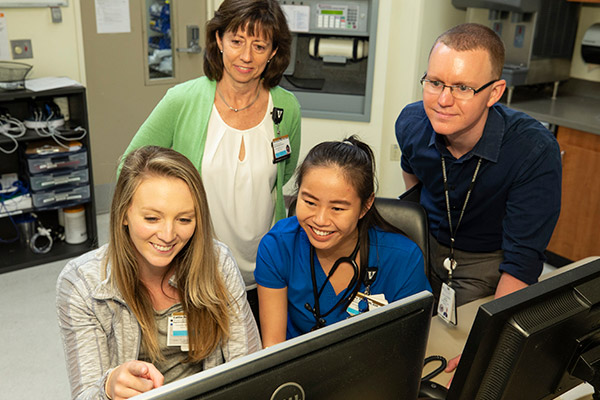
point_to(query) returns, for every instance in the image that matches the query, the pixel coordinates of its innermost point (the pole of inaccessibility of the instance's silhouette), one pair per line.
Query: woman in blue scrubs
(337, 257)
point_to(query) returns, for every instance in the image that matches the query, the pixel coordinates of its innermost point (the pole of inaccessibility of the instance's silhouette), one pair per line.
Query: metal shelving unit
(14, 255)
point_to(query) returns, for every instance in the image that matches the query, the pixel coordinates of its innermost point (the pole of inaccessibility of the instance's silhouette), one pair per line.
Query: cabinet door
(577, 234)
(125, 78)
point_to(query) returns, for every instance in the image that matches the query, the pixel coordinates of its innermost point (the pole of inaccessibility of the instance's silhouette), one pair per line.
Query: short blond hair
(471, 36)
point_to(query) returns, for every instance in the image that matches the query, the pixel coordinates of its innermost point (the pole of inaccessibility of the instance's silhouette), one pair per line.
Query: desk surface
(448, 341)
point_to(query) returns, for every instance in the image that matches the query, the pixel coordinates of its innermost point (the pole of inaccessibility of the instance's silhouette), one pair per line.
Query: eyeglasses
(461, 92)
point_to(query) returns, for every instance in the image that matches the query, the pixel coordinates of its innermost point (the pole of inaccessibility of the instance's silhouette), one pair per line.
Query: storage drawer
(48, 181)
(73, 195)
(43, 163)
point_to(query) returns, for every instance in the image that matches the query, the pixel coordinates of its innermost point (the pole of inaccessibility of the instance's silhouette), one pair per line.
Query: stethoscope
(316, 310)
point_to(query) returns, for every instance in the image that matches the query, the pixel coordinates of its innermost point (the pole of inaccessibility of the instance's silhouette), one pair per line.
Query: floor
(32, 364)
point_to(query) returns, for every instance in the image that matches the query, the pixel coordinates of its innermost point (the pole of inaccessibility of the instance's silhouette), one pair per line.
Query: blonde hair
(204, 297)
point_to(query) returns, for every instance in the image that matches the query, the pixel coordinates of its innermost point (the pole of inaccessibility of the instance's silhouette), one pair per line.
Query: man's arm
(508, 284)
(410, 180)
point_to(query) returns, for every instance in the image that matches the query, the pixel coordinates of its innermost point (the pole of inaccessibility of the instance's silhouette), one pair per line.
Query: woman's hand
(132, 378)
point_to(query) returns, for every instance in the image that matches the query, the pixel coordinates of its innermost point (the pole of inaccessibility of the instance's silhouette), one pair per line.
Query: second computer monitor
(536, 343)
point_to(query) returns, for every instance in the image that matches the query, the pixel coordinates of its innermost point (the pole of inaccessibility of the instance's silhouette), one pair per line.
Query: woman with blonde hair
(163, 299)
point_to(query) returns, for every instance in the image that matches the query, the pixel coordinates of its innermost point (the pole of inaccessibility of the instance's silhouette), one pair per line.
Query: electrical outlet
(395, 153)
(21, 49)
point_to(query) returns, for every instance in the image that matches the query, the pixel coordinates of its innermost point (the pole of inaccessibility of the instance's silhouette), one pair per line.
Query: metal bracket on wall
(56, 14)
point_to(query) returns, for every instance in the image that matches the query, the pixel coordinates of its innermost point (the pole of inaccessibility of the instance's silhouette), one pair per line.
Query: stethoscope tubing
(316, 309)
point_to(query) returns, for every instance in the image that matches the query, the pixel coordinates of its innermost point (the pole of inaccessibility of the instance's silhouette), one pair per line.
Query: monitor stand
(587, 368)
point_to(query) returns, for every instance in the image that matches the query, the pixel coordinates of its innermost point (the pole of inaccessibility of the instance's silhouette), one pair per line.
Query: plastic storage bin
(79, 194)
(49, 181)
(44, 163)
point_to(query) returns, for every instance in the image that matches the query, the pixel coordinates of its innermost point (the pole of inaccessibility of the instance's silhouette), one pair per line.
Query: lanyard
(316, 310)
(450, 263)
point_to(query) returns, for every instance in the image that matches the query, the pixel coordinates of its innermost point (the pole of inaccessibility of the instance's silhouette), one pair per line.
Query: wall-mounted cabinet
(55, 179)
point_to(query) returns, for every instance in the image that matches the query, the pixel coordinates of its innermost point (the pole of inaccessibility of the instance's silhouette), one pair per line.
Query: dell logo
(288, 391)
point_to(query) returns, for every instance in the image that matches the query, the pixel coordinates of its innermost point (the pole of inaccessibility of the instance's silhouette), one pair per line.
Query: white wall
(57, 47)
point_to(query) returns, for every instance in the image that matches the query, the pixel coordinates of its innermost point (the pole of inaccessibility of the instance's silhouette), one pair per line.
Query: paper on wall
(4, 46)
(298, 17)
(112, 16)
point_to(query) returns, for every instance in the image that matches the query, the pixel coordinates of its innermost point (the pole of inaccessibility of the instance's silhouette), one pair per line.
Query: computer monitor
(536, 343)
(375, 355)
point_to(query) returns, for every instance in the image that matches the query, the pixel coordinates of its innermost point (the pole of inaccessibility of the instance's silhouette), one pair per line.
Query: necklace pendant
(450, 264)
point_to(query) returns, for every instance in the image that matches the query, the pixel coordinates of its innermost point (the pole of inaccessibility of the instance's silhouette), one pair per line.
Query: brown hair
(472, 36)
(260, 17)
(203, 294)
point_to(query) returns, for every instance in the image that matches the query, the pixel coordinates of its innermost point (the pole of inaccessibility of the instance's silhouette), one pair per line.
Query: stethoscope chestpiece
(320, 321)
(310, 308)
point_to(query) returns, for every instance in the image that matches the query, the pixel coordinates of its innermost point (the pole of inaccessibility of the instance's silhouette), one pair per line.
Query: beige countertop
(577, 104)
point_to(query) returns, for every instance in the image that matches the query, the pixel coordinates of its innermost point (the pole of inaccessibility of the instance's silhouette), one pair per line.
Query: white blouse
(240, 193)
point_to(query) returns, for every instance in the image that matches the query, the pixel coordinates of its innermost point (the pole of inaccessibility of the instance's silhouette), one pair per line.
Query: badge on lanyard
(177, 332)
(281, 149)
(281, 144)
(363, 303)
(447, 306)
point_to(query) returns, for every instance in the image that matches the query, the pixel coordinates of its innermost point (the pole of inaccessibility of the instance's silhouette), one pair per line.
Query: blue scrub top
(283, 260)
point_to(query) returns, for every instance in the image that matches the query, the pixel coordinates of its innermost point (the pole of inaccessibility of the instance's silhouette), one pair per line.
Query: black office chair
(408, 216)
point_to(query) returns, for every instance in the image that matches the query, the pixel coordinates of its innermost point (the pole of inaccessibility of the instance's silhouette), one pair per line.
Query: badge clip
(277, 115)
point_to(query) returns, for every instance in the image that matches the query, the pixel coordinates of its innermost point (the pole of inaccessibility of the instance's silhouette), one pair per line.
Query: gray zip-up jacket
(100, 332)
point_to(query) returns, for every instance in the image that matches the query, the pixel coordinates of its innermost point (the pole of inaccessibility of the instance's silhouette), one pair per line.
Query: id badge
(281, 148)
(363, 303)
(177, 333)
(447, 306)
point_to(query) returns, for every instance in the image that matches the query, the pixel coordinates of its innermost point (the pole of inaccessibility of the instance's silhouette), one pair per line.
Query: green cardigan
(180, 122)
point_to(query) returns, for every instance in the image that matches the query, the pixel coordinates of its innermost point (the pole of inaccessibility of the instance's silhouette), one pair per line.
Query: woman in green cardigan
(235, 124)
